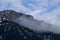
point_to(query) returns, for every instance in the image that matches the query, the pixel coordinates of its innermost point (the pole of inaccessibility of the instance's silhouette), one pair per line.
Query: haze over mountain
(18, 26)
(29, 22)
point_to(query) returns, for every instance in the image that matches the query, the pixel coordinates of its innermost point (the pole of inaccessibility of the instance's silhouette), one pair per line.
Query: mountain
(10, 14)
(17, 26)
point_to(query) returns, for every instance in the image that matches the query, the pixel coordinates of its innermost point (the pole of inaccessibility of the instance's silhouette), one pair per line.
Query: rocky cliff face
(17, 26)
(11, 15)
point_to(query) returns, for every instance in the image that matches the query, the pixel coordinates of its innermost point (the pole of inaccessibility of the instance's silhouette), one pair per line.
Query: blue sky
(46, 10)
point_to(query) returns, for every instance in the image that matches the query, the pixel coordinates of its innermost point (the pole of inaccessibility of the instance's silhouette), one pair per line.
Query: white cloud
(15, 5)
(39, 26)
(33, 13)
(49, 17)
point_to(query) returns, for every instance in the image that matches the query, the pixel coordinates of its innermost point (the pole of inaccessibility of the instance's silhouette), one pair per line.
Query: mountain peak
(12, 15)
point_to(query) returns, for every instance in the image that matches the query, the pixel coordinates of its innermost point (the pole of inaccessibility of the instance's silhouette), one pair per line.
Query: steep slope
(25, 20)
(15, 26)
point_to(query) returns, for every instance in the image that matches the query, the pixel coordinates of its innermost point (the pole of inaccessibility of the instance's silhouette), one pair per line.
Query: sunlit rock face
(18, 26)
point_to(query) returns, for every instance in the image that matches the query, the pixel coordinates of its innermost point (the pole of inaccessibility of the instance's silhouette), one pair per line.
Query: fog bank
(37, 26)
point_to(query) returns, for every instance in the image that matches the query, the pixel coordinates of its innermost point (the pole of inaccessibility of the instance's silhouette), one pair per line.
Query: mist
(37, 26)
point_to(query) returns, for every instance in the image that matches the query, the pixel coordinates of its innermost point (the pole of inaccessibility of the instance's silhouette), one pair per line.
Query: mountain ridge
(28, 21)
(24, 27)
